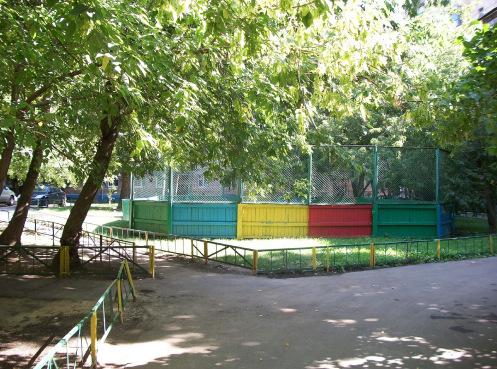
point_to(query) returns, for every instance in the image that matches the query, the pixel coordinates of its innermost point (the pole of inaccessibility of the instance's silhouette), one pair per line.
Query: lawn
(465, 226)
(99, 214)
(357, 256)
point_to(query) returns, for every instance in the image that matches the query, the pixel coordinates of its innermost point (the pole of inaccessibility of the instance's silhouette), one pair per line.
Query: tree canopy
(108, 86)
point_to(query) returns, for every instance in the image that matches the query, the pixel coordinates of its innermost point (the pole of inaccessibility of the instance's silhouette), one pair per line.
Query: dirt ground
(33, 307)
(421, 316)
(208, 316)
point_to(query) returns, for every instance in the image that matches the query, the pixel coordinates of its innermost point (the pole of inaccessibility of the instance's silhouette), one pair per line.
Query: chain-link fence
(406, 173)
(195, 186)
(330, 175)
(185, 186)
(282, 181)
(342, 174)
(154, 186)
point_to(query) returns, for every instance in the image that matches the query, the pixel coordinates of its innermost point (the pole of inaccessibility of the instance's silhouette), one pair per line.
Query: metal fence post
(240, 191)
(490, 244)
(192, 248)
(131, 193)
(119, 299)
(130, 279)
(314, 260)
(101, 243)
(151, 260)
(328, 261)
(255, 261)
(372, 255)
(171, 199)
(93, 338)
(375, 173)
(309, 178)
(53, 234)
(437, 175)
(36, 233)
(64, 261)
(438, 249)
(206, 252)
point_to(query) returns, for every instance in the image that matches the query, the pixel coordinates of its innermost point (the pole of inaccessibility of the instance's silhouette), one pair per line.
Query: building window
(202, 182)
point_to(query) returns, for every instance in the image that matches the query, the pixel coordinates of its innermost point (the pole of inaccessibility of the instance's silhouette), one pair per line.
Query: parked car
(8, 197)
(46, 195)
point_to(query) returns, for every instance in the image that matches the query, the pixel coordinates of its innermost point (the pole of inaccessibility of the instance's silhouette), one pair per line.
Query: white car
(8, 197)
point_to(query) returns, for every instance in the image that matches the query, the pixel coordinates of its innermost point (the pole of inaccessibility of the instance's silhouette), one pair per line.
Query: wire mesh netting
(331, 175)
(342, 174)
(194, 186)
(406, 173)
(446, 166)
(186, 186)
(282, 181)
(154, 186)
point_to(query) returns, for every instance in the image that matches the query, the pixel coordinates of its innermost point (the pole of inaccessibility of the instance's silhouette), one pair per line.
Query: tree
(12, 234)
(456, 102)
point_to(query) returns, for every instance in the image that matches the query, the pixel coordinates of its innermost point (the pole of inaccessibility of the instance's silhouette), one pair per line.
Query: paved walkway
(423, 316)
(34, 307)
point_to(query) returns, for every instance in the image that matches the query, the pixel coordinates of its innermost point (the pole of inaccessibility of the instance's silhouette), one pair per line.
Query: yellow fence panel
(272, 221)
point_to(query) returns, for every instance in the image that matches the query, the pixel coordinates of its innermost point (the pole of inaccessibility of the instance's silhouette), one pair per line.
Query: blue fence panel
(209, 220)
(445, 222)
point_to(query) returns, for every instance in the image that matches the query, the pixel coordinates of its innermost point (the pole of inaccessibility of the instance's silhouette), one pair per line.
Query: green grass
(284, 243)
(101, 207)
(354, 257)
(116, 223)
(465, 226)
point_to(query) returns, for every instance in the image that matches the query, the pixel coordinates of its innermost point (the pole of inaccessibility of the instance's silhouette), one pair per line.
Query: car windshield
(40, 190)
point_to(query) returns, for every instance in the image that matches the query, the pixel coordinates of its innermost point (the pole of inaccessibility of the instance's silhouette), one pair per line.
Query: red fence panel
(340, 220)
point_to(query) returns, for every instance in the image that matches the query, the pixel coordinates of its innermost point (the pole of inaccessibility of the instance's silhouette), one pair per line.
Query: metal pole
(375, 173)
(170, 217)
(131, 197)
(309, 179)
(375, 190)
(437, 174)
(240, 191)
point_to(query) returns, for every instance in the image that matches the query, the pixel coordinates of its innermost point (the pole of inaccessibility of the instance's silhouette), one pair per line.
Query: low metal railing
(369, 255)
(185, 246)
(37, 259)
(85, 338)
(338, 257)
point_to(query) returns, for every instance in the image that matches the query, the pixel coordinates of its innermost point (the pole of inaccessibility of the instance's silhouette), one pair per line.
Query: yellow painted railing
(75, 347)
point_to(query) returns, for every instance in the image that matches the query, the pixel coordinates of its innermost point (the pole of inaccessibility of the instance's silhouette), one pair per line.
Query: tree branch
(36, 94)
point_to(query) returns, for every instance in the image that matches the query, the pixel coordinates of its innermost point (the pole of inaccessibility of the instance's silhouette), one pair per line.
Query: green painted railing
(338, 258)
(83, 340)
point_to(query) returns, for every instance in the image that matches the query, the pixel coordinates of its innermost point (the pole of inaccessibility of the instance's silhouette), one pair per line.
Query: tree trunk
(6, 156)
(125, 188)
(10, 141)
(490, 205)
(74, 224)
(12, 234)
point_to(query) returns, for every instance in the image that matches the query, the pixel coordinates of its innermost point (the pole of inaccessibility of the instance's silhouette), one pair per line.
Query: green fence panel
(150, 216)
(125, 209)
(406, 219)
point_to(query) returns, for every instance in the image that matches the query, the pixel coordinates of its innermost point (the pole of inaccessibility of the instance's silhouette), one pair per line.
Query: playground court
(421, 316)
